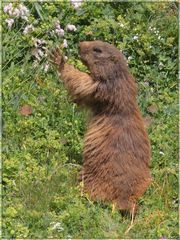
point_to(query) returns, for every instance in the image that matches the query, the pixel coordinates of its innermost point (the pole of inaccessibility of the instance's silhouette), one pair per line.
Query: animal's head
(103, 59)
(109, 67)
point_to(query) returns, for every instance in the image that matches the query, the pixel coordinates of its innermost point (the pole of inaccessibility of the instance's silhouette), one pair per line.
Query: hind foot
(132, 212)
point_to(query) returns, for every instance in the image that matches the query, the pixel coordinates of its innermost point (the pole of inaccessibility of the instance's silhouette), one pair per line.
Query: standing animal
(116, 154)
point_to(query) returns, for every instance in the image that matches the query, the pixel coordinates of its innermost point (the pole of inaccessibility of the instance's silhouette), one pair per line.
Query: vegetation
(43, 130)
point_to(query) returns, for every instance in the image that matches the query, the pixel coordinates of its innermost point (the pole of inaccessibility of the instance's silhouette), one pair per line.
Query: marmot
(116, 148)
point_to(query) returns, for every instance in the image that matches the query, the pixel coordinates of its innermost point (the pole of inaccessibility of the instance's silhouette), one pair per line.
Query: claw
(113, 208)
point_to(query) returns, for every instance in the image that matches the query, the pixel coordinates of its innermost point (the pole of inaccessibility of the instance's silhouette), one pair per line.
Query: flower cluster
(56, 226)
(29, 28)
(18, 12)
(9, 22)
(21, 11)
(76, 3)
(40, 52)
(59, 31)
(156, 32)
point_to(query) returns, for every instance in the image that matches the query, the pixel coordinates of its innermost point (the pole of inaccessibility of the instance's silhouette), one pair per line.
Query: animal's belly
(97, 143)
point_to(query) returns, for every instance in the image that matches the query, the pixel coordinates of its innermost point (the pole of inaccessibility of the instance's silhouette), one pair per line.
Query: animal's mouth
(79, 52)
(83, 59)
(82, 50)
(79, 48)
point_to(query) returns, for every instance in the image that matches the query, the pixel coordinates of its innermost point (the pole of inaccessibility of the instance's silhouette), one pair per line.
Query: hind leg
(128, 207)
(124, 204)
(132, 212)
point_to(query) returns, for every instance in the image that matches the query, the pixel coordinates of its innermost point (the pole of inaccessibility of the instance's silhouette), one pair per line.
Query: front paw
(57, 58)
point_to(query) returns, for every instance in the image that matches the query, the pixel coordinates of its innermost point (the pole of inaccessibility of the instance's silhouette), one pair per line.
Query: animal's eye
(98, 50)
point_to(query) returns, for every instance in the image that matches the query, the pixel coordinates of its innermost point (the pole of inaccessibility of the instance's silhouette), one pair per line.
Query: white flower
(35, 64)
(71, 28)
(66, 58)
(35, 52)
(38, 42)
(24, 10)
(161, 64)
(46, 67)
(57, 24)
(41, 41)
(8, 8)
(69, 237)
(59, 32)
(135, 37)
(40, 53)
(161, 153)
(57, 226)
(24, 18)
(52, 32)
(35, 42)
(122, 25)
(129, 58)
(9, 22)
(65, 45)
(45, 48)
(28, 28)
(16, 12)
(146, 84)
(76, 3)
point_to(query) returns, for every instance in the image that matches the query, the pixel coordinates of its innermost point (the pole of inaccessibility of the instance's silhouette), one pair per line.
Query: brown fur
(116, 149)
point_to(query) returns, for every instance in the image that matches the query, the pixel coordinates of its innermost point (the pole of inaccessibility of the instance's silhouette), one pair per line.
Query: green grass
(42, 152)
(40, 173)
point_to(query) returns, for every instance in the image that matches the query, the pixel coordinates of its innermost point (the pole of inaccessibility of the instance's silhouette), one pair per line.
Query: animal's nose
(83, 45)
